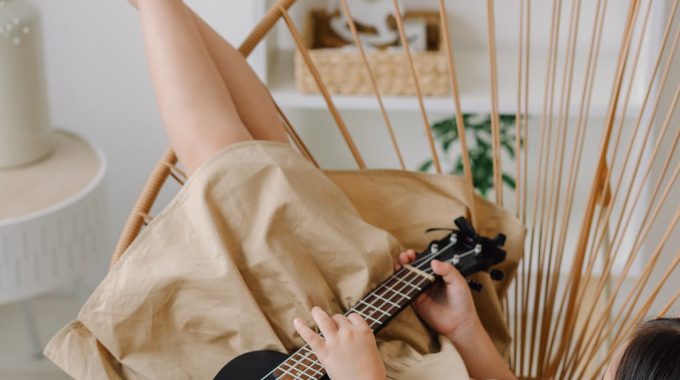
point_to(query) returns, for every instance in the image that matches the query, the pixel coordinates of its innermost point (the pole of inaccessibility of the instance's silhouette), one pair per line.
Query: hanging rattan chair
(570, 305)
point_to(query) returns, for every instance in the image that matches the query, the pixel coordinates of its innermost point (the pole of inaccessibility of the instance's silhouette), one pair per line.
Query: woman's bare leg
(195, 104)
(253, 103)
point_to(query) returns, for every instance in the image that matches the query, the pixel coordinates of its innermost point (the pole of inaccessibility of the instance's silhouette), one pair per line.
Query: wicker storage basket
(343, 71)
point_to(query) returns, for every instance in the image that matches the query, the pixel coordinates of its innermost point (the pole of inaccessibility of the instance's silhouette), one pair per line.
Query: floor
(17, 361)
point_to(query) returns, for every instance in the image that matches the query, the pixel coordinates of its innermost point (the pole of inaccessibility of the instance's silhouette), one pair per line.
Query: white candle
(24, 122)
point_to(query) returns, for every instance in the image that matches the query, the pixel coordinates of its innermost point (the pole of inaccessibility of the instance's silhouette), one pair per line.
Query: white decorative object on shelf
(367, 13)
(51, 219)
(375, 14)
(24, 121)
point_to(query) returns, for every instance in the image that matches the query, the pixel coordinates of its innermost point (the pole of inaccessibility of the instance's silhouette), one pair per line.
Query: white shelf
(473, 73)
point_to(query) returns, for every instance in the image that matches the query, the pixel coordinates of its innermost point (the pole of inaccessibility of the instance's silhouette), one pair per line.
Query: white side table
(52, 216)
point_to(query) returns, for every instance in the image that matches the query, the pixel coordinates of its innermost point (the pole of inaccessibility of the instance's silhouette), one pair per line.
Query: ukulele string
(418, 264)
(427, 258)
(428, 269)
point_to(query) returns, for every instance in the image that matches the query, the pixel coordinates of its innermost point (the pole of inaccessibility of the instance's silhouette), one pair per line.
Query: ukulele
(467, 251)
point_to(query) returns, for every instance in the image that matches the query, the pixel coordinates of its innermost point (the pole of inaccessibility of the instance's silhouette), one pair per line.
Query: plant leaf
(425, 166)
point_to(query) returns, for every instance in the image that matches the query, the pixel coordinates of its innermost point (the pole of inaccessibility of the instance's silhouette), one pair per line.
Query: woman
(209, 98)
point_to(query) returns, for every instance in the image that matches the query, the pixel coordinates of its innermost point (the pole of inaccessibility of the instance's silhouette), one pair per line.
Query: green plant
(478, 133)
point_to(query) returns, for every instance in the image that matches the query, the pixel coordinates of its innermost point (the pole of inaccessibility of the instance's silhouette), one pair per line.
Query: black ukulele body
(255, 365)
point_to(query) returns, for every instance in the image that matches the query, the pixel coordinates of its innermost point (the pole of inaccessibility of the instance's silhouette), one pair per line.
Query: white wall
(99, 87)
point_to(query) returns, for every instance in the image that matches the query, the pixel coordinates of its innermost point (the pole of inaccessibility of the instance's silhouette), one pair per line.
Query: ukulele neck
(391, 296)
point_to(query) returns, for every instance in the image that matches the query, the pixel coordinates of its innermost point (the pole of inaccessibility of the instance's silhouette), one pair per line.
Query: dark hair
(653, 352)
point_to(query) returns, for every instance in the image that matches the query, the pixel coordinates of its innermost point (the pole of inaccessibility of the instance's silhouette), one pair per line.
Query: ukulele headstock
(466, 250)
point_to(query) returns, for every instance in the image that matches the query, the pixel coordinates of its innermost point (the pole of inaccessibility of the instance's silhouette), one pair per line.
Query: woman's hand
(449, 309)
(347, 349)
(446, 307)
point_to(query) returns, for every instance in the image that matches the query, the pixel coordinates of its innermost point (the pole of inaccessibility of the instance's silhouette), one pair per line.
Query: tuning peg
(474, 285)
(497, 275)
(499, 240)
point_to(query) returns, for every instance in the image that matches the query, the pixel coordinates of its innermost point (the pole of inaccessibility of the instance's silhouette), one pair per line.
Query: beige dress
(254, 239)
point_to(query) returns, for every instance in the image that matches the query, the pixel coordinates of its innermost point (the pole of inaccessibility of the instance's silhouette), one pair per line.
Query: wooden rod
(671, 301)
(558, 165)
(544, 161)
(649, 220)
(416, 83)
(603, 222)
(495, 121)
(322, 88)
(584, 234)
(453, 78)
(575, 164)
(624, 332)
(635, 295)
(295, 137)
(374, 83)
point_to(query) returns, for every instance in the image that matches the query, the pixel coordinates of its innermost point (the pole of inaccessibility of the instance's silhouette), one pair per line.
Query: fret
(397, 292)
(286, 371)
(419, 272)
(416, 281)
(407, 283)
(402, 289)
(294, 370)
(308, 355)
(375, 308)
(314, 364)
(385, 300)
(306, 367)
(352, 309)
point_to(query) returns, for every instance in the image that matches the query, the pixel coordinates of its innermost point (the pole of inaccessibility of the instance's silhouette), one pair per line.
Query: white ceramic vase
(24, 121)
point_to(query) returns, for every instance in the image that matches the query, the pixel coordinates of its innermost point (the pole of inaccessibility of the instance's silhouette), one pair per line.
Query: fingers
(342, 322)
(326, 325)
(357, 320)
(406, 257)
(310, 337)
(329, 326)
(448, 272)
